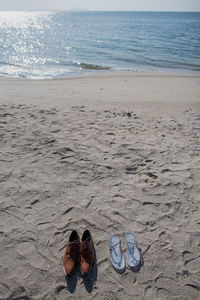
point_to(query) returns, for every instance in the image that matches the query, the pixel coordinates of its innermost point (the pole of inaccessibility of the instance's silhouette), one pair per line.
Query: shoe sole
(116, 239)
(130, 237)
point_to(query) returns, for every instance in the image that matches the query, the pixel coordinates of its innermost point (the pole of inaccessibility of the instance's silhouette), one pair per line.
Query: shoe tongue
(85, 243)
(73, 243)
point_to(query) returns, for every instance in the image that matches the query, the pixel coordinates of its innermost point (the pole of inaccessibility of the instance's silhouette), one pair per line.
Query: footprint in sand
(193, 264)
(191, 261)
(5, 292)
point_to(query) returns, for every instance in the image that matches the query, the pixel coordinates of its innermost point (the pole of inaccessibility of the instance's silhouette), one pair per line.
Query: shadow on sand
(91, 278)
(88, 280)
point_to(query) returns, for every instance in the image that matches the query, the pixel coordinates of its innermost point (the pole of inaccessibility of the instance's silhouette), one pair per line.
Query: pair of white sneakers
(132, 254)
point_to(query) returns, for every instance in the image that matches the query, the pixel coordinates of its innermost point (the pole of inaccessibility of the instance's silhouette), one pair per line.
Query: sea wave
(86, 66)
(8, 70)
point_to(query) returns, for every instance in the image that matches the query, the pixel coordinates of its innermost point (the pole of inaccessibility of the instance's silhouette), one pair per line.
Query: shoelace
(85, 243)
(71, 248)
(85, 247)
(85, 250)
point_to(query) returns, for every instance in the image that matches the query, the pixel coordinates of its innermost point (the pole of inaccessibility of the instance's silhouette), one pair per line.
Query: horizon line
(88, 10)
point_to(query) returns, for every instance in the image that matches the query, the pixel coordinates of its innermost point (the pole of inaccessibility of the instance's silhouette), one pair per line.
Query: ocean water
(53, 44)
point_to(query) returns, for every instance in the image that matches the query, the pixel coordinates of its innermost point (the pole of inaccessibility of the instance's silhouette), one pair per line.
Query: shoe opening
(86, 236)
(74, 236)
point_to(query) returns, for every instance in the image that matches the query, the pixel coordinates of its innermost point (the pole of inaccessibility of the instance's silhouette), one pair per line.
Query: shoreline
(176, 72)
(110, 74)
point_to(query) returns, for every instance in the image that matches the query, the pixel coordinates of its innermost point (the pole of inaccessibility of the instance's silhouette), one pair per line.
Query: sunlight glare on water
(23, 43)
(52, 44)
(23, 19)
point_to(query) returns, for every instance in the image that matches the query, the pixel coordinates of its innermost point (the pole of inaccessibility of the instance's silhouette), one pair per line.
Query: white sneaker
(132, 254)
(116, 257)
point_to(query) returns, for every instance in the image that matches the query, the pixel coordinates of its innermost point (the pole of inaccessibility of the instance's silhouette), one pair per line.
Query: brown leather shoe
(70, 258)
(86, 253)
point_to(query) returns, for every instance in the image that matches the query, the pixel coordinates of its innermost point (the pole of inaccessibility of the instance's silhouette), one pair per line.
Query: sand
(111, 153)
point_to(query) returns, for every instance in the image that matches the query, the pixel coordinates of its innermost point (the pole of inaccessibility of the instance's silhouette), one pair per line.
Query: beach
(111, 153)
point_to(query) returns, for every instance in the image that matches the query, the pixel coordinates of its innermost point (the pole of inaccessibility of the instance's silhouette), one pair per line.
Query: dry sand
(109, 153)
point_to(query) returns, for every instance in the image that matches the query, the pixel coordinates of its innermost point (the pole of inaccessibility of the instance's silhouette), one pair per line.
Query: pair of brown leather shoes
(71, 255)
